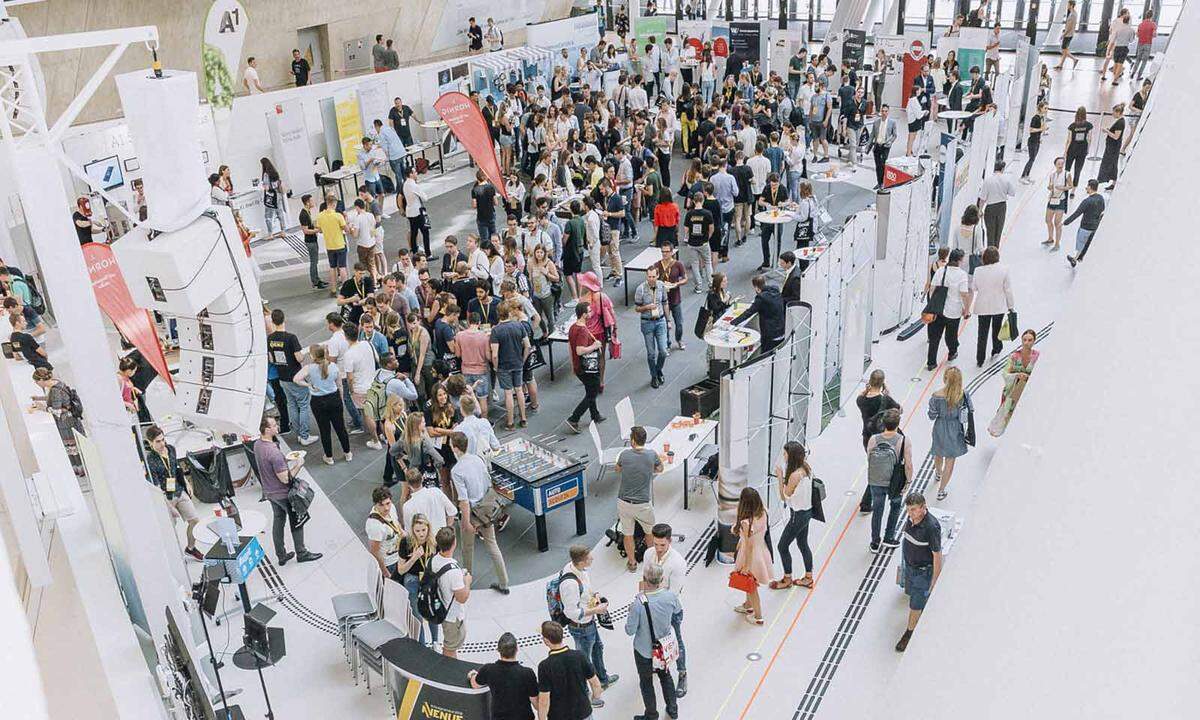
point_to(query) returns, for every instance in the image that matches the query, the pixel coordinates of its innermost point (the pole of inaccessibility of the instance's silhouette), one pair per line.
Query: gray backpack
(880, 462)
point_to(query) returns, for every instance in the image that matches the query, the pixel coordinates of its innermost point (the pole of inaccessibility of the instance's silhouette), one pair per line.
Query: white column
(141, 563)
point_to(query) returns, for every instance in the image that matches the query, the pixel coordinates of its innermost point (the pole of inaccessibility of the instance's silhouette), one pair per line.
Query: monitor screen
(107, 172)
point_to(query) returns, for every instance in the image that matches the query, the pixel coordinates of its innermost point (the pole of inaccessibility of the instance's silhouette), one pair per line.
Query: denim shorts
(337, 258)
(917, 581)
(510, 379)
(481, 383)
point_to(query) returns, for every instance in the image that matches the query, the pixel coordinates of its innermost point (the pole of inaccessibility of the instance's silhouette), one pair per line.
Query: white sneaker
(349, 457)
(356, 431)
(327, 460)
(307, 440)
(374, 445)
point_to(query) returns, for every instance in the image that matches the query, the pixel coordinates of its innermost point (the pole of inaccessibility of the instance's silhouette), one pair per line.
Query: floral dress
(1014, 386)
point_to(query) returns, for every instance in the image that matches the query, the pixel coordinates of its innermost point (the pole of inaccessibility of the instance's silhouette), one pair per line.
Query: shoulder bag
(664, 651)
(975, 259)
(968, 411)
(936, 302)
(589, 363)
(899, 477)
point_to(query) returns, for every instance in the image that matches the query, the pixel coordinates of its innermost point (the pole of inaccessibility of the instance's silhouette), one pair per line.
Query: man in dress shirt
(993, 199)
(481, 438)
(473, 483)
(882, 137)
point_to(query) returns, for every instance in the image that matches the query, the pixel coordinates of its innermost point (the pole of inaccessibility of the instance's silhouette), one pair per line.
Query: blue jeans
(706, 90)
(655, 334)
(399, 169)
(298, 400)
(375, 186)
(356, 422)
(793, 184)
(677, 622)
(588, 642)
(486, 228)
(879, 495)
(628, 226)
(411, 583)
(1081, 239)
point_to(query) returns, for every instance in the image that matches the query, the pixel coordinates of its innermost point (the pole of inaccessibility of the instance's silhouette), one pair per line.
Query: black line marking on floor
(822, 677)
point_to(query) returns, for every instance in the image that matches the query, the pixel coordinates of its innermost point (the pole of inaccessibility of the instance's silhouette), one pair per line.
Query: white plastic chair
(626, 421)
(604, 457)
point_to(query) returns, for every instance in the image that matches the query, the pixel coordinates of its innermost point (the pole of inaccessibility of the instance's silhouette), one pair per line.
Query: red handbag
(614, 349)
(742, 581)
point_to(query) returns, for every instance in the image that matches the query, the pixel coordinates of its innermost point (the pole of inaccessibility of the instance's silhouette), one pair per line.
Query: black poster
(744, 44)
(853, 47)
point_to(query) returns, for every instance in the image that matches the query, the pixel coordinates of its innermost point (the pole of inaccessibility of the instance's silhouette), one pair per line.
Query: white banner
(784, 44)
(572, 32)
(289, 145)
(451, 33)
(373, 104)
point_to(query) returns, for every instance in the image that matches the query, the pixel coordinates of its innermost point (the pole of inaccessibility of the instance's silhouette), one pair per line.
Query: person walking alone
(277, 477)
(586, 349)
(948, 409)
(922, 561)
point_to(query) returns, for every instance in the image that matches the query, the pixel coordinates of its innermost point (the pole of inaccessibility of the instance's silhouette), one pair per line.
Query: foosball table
(540, 480)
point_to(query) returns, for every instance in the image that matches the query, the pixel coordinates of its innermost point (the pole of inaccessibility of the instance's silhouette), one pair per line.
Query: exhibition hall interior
(571, 359)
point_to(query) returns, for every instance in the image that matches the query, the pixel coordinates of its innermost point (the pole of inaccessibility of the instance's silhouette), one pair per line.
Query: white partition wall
(902, 252)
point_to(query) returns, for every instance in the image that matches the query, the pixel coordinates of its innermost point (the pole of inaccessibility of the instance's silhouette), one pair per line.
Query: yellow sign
(349, 124)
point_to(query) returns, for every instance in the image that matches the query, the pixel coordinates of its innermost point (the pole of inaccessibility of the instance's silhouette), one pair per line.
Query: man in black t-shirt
(483, 199)
(355, 291)
(563, 680)
(300, 69)
(474, 36)
(286, 356)
(443, 334)
(698, 229)
(922, 552)
(25, 343)
(401, 118)
(513, 686)
(311, 239)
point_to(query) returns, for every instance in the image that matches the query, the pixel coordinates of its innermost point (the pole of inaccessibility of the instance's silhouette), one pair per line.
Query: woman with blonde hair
(753, 556)
(949, 409)
(392, 421)
(417, 548)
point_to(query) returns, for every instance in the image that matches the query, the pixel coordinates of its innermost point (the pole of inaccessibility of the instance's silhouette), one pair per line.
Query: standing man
(300, 69)
(379, 55)
(1090, 211)
(277, 477)
(510, 347)
(478, 506)
(581, 606)
(649, 301)
(649, 621)
(564, 678)
(1068, 34)
(357, 364)
(820, 109)
(768, 304)
(285, 355)
(391, 57)
(614, 209)
(922, 550)
(725, 191)
(888, 453)
(311, 234)
(698, 228)
(993, 200)
(792, 277)
(797, 68)
(401, 118)
(673, 275)
(371, 160)
(882, 137)
(743, 209)
(474, 36)
(624, 181)
(513, 686)
(333, 228)
(165, 473)
(250, 77)
(483, 199)
(454, 587)
(673, 566)
(393, 148)
(493, 35)
(637, 466)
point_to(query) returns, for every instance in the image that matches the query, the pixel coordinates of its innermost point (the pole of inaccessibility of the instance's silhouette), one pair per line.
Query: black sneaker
(309, 557)
(283, 559)
(891, 542)
(681, 685)
(499, 589)
(875, 546)
(902, 645)
(952, 358)
(599, 419)
(1072, 259)
(931, 368)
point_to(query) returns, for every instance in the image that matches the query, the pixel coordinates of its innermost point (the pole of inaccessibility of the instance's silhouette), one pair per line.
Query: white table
(952, 116)
(683, 442)
(641, 262)
(437, 126)
(337, 176)
(558, 336)
(836, 173)
(729, 342)
(254, 522)
(778, 218)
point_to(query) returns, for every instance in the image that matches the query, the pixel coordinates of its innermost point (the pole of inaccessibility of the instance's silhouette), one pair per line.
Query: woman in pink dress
(753, 557)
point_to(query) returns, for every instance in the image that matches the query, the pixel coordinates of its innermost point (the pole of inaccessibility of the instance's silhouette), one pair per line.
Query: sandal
(742, 609)
(754, 620)
(781, 584)
(804, 582)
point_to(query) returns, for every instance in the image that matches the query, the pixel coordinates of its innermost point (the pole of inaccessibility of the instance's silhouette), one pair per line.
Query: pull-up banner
(112, 295)
(466, 122)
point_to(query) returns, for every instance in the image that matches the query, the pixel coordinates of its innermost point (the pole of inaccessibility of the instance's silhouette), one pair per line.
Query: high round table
(778, 219)
(953, 116)
(731, 343)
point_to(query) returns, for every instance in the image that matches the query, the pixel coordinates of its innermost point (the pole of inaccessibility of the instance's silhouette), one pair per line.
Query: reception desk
(425, 684)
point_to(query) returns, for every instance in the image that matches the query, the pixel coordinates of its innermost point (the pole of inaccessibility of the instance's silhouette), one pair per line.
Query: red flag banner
(893, 176)
(112, 295)
(465, 120)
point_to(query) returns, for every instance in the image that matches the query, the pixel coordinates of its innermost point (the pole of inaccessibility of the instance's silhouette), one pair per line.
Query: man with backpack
(576, 607)
(889, 471)
(443, 593)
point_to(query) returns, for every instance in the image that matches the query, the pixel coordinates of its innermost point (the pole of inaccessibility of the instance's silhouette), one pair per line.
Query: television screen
(107, 172)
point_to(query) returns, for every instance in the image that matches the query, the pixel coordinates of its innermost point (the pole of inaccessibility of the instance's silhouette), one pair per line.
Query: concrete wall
(271, 35)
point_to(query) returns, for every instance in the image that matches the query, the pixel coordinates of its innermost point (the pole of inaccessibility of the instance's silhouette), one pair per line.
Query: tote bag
(936, 303)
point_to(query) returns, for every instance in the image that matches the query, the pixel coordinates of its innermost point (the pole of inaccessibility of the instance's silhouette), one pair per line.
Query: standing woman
(61, 402)
(1016, 375)
(664, 141)
(708, 77)
(416, 550)
(806, 213)
(440, 418)
(797, 164)
(543, 273)
(1059, 185)
(718, 299)
(1113, 137)
(753, 557)
(873, 400)
(601, 319)
(419, 453)
(323, 380)
(392, 422)
(1078, 134)
(418, 348)
(795, 490)
(666, 219)
(274, 202)
(916, 112)
(947, 407)
(1037, 126)
(508, 138)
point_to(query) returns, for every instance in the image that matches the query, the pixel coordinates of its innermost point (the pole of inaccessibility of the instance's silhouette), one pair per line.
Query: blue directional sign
(249, 558)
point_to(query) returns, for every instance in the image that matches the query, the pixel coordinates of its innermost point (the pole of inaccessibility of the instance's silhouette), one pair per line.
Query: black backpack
(430, 604)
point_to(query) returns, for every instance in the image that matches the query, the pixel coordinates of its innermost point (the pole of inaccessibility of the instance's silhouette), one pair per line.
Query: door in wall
(313, 42)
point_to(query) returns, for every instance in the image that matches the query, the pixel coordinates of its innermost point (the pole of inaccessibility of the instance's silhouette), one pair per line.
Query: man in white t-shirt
(361, 224)
(384, 531)
(372, 160)
(336, 345)
(454, 586)
(428, 501)
(358, 370)
(481, 437)
(674, 572)
(958, 299)
(250, 78)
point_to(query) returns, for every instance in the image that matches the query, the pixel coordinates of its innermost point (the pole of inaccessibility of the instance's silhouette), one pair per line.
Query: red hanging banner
(112, 295)
(465, 120)
(893, 176)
